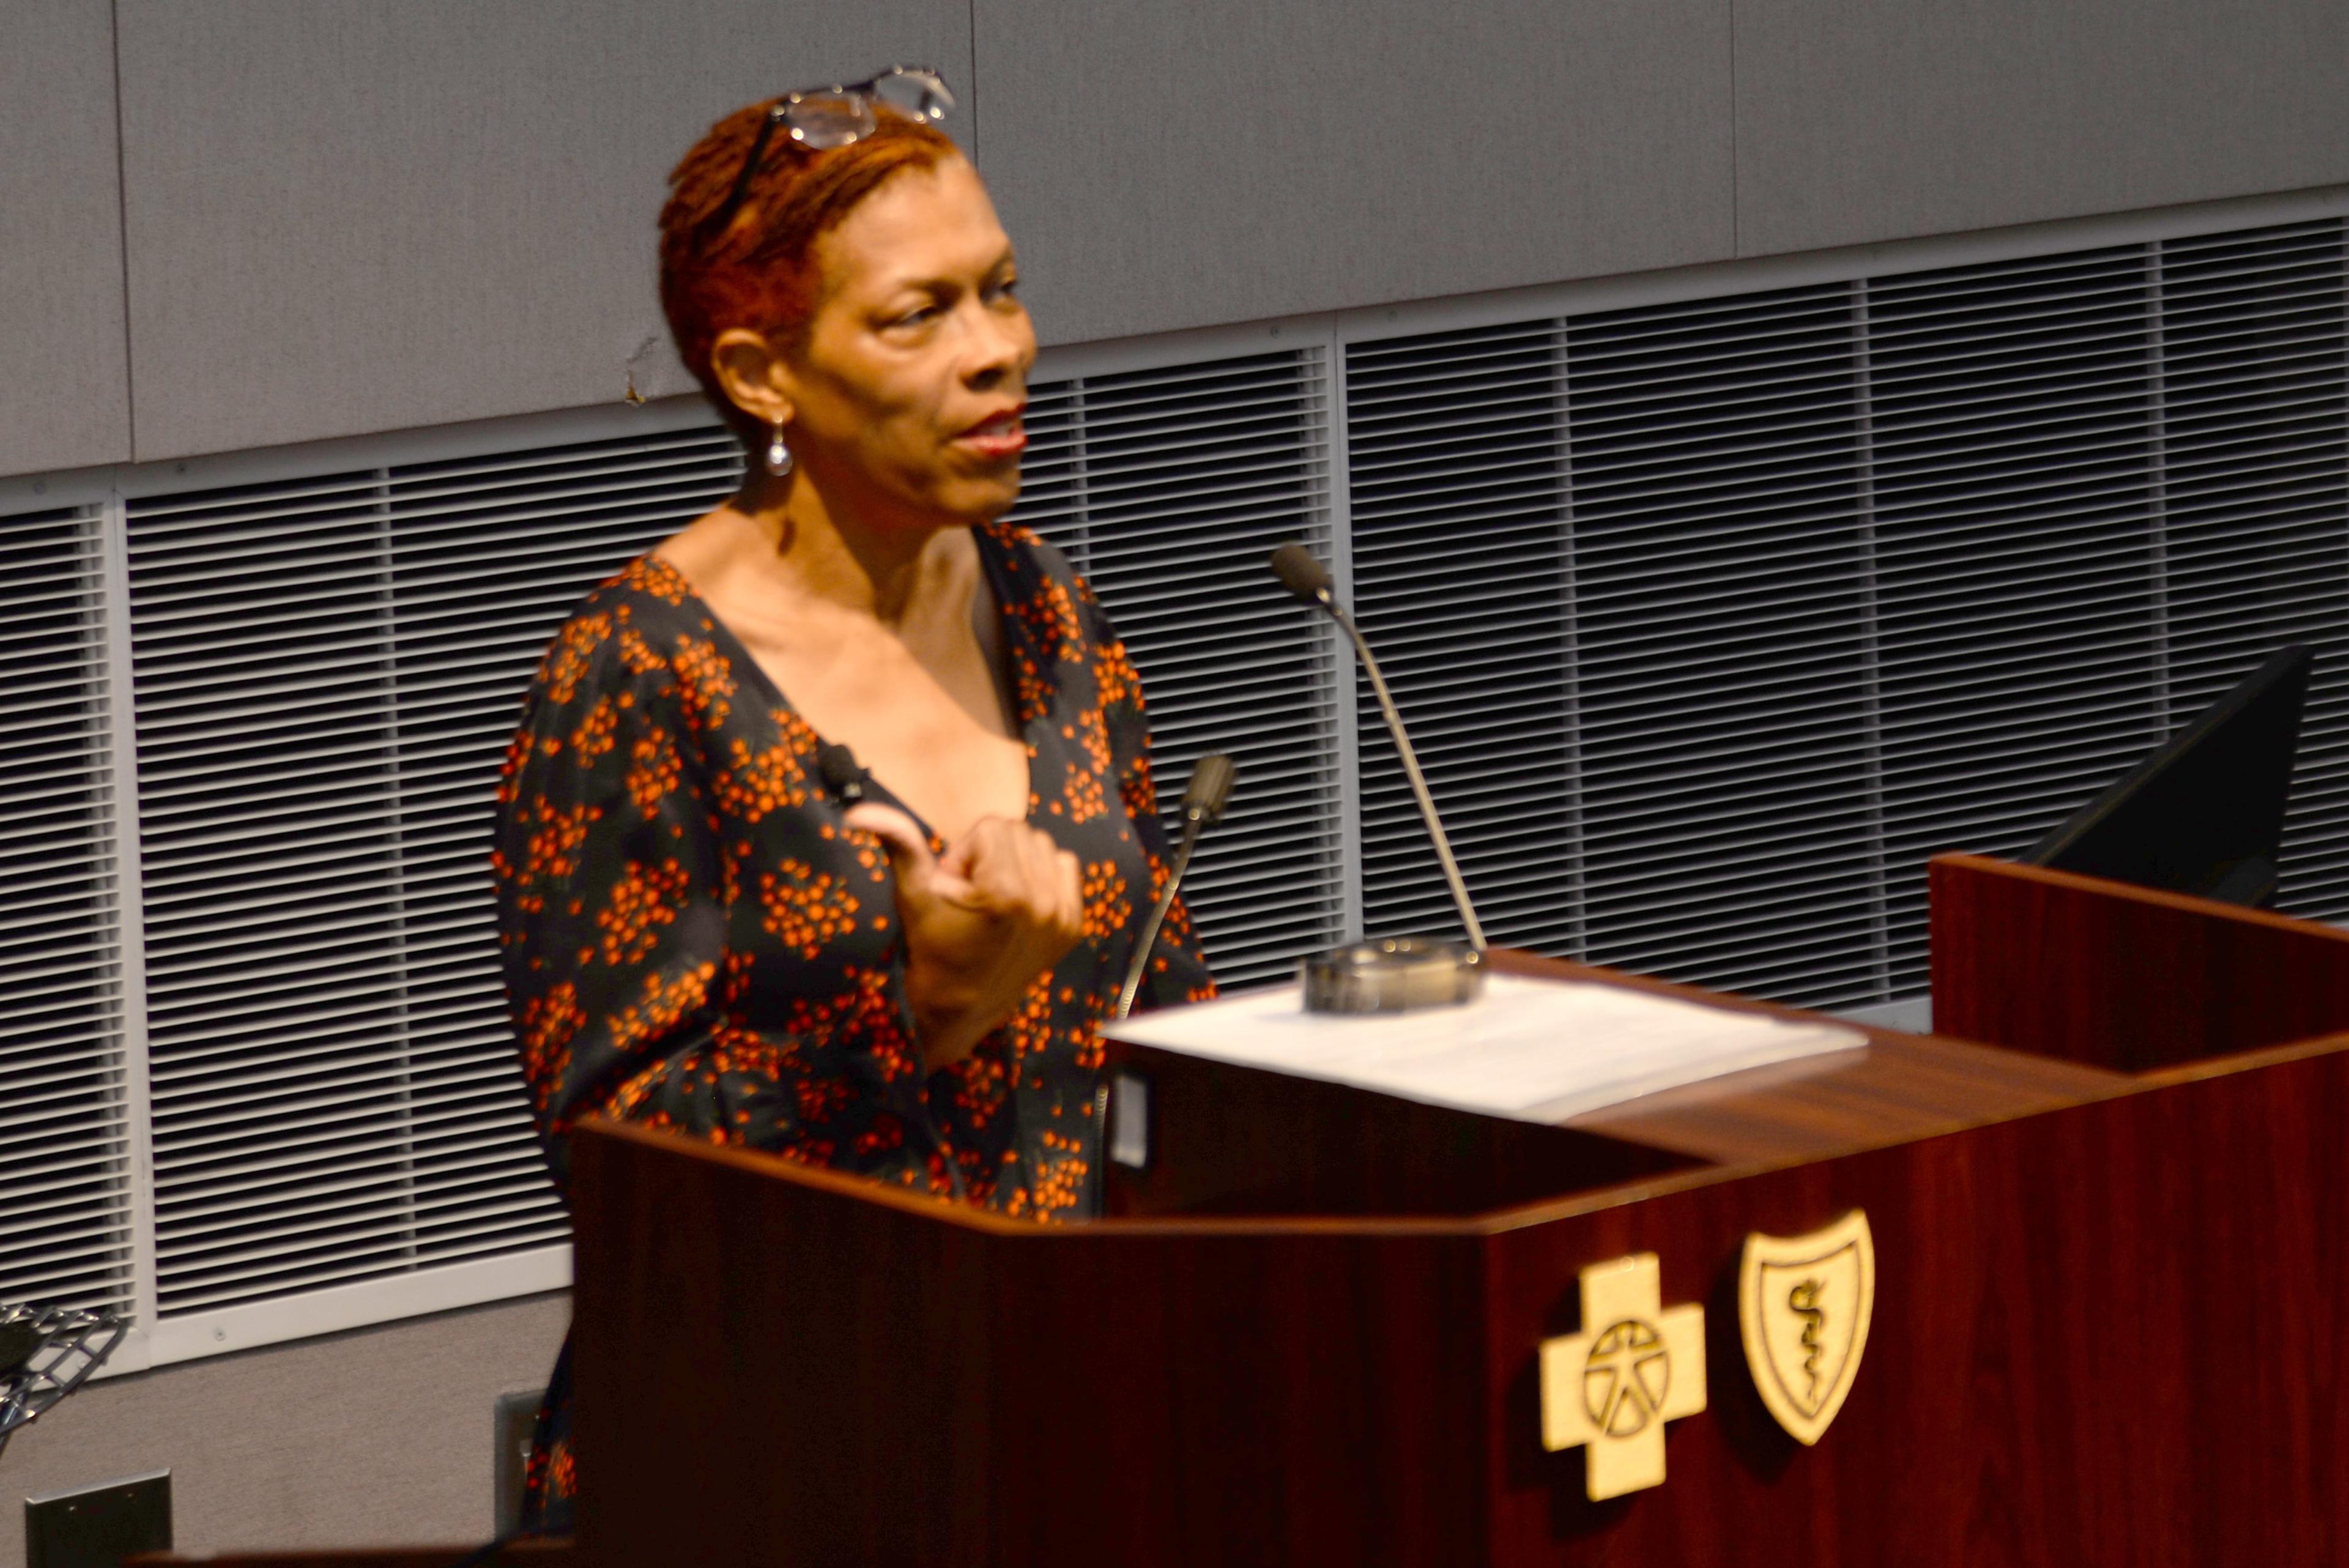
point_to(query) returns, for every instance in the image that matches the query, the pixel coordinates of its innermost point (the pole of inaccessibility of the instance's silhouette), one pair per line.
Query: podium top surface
(1901, 1088)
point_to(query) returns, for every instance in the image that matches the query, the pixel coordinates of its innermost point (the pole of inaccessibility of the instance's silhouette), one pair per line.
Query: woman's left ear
(747, 366)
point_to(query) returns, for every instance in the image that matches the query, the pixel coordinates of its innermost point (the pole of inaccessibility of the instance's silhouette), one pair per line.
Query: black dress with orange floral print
(692, 940)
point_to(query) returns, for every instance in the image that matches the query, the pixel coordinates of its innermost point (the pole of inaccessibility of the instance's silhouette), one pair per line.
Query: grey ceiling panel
(1175, 165)
(386, 213)
(65, 401)
(1859, 122)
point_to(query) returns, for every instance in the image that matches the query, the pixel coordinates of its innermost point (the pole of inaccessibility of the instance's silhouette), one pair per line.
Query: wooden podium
(2109, 1203)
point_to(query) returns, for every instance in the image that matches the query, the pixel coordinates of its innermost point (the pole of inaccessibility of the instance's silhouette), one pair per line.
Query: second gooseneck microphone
(1309, 580)
(1203, 799)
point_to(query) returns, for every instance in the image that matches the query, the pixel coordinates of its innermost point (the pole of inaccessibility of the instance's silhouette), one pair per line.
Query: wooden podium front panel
(778, 1366)
(2110, 1335)
(2122, 977)
(2102, 1334)
(766, 1369)
(2105, 1331)
(1240, 1396)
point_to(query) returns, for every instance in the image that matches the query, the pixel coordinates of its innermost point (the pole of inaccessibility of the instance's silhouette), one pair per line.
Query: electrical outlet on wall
(96, 1527)
(515, 1416)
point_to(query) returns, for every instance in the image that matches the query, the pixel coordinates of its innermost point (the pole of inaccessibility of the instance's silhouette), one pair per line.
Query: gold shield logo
(1803, 1307)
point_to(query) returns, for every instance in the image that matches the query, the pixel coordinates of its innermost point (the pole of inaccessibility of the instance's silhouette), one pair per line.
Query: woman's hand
(981, 922)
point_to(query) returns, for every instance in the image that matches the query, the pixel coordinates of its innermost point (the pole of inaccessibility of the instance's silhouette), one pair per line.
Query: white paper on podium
(1533, 1050)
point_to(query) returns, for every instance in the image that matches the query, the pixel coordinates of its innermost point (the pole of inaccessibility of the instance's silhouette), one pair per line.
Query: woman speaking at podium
(713, 918)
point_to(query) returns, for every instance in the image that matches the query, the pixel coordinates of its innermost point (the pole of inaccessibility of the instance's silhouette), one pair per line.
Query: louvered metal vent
(1462, 581)
(1713, 616)
(326, 672)
(1720, 617)
(1169, 489)
(65, 1142)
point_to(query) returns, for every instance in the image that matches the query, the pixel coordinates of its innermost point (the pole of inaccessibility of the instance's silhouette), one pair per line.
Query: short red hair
(760, 271)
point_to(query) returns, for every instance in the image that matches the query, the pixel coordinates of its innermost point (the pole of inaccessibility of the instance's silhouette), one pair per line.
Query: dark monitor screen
(2203, 814)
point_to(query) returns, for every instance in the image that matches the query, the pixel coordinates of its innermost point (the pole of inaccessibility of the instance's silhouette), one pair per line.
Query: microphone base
(1394, 974)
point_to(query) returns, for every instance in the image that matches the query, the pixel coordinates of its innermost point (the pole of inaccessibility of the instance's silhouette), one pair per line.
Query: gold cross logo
(1609, 1389)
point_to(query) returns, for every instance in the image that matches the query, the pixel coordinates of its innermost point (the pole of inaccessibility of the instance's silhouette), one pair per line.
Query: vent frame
(110, 502)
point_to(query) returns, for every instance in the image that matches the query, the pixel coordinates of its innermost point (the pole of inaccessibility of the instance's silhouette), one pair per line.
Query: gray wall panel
(385, 213)
(380, 1436)
(1860, 120)
(65, 400)
(1175, 165)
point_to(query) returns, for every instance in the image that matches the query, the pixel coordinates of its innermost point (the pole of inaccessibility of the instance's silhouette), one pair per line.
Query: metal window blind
(326, 672)
(65, 1142)
(1718, 618)
(1169, 489)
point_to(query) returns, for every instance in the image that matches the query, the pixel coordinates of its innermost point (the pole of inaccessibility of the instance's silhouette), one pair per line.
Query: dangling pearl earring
(779, 456)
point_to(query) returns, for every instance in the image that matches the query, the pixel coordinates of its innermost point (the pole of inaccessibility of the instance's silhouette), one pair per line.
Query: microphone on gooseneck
(1309, 580)
(842, 775)
(1203, 799)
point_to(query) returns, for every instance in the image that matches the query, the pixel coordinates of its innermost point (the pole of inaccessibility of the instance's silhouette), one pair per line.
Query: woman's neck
(816, 547)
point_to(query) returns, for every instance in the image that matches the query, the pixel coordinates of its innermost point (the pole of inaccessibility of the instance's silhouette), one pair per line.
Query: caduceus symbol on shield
(1803, 1309)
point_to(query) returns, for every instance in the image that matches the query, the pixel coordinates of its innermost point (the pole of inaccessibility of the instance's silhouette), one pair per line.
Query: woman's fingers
(1001, 854)
(1073, 894)
(1003, 869)
(1017, 870)
(919, 873)
(972, 954)
(893, 828)
(990, 856)
(963, 852)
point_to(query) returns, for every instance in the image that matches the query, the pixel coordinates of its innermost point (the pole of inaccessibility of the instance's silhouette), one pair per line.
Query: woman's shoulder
(1041, 574)
(1045, 593)
(646, 590)
(1025, 551)
(642, 624)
